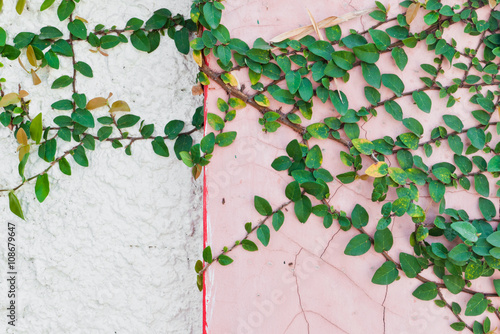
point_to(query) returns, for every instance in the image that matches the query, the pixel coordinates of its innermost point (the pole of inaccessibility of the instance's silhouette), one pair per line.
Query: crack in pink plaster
(328, 245)
(298, 290)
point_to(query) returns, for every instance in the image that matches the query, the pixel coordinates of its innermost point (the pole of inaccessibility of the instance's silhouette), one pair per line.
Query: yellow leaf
(197, 57)
(31, 56)
(81, 19)
(21, 137)
(364, 177)
(23, 94)
(20, 6)
(492, 3)
(119, 106)
(377, 170)
(230, 79)
(23, 150)
(97, 102)
(36, 79)
(8, 99)
(412, 12)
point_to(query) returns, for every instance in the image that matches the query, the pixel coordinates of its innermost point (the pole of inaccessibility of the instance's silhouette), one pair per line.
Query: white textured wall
(112, 249)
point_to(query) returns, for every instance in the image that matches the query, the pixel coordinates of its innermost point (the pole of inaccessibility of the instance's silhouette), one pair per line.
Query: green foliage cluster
(298, 71)
(302, 69)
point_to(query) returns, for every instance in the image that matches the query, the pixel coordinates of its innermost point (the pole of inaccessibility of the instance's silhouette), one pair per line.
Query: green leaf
(372, 75)
(358, 245)
(394, 83)
(262, 206)
(50, 33)
(292, 191)
(278, 220)
(436, 190)
(83, 117)
(314, 158)
(78, 29)
(494, 164)
(64, 166)
(466, 230)
(453, 283)
(127, 121)
(80, 156)
(453, 122)
(482, 185)
(344, 59)
(477, 137)
(173, 128)
(20, 6)
(476, 305)
(46, 4)
(410, 265)
(258, 55)
(426, 291)
(140, 41)
(322, 49)
(443, 174)
(249, 245)
(225, 138)
(181, 39)
(303, 208)
(386, 274)
(359, 216)
(422, 100)
(380, 38)
(398, 175)
(36, 128)
(306, 89)
(225, 260)
(372, 95)
(62, 82)
(42, 188)
(84, 69)
(394, 109)
(487, 208)
(3, 36)
(460, 253)
(458, 326)
(159, 147)
(62, 47)
(367, 53)
(263, 234)
(494, 239)
(65, 9)
(15, 206)
(414, 126)
(383, 240)
(400, 57)
(212, 15)
(207, 254)
(281, 163)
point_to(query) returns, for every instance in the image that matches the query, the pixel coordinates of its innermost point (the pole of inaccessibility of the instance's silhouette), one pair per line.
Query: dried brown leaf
(103, 53)
(492, 3)
(23, 94)
(196, 171)
(298, 33)
(21, 137)
(197, 89)
(412, 12)
(119, 106)
(30, 53)
(11, 98)
(315, 26)
(35, 77)
(96, 102)
(22, 65)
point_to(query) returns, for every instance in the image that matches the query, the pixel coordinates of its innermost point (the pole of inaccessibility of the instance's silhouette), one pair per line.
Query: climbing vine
(301, 69)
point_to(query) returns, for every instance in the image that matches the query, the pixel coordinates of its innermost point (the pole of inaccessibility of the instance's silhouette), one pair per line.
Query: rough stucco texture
(112, 249)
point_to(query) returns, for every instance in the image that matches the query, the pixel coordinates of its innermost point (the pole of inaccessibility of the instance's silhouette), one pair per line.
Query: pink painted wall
(302, 282)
